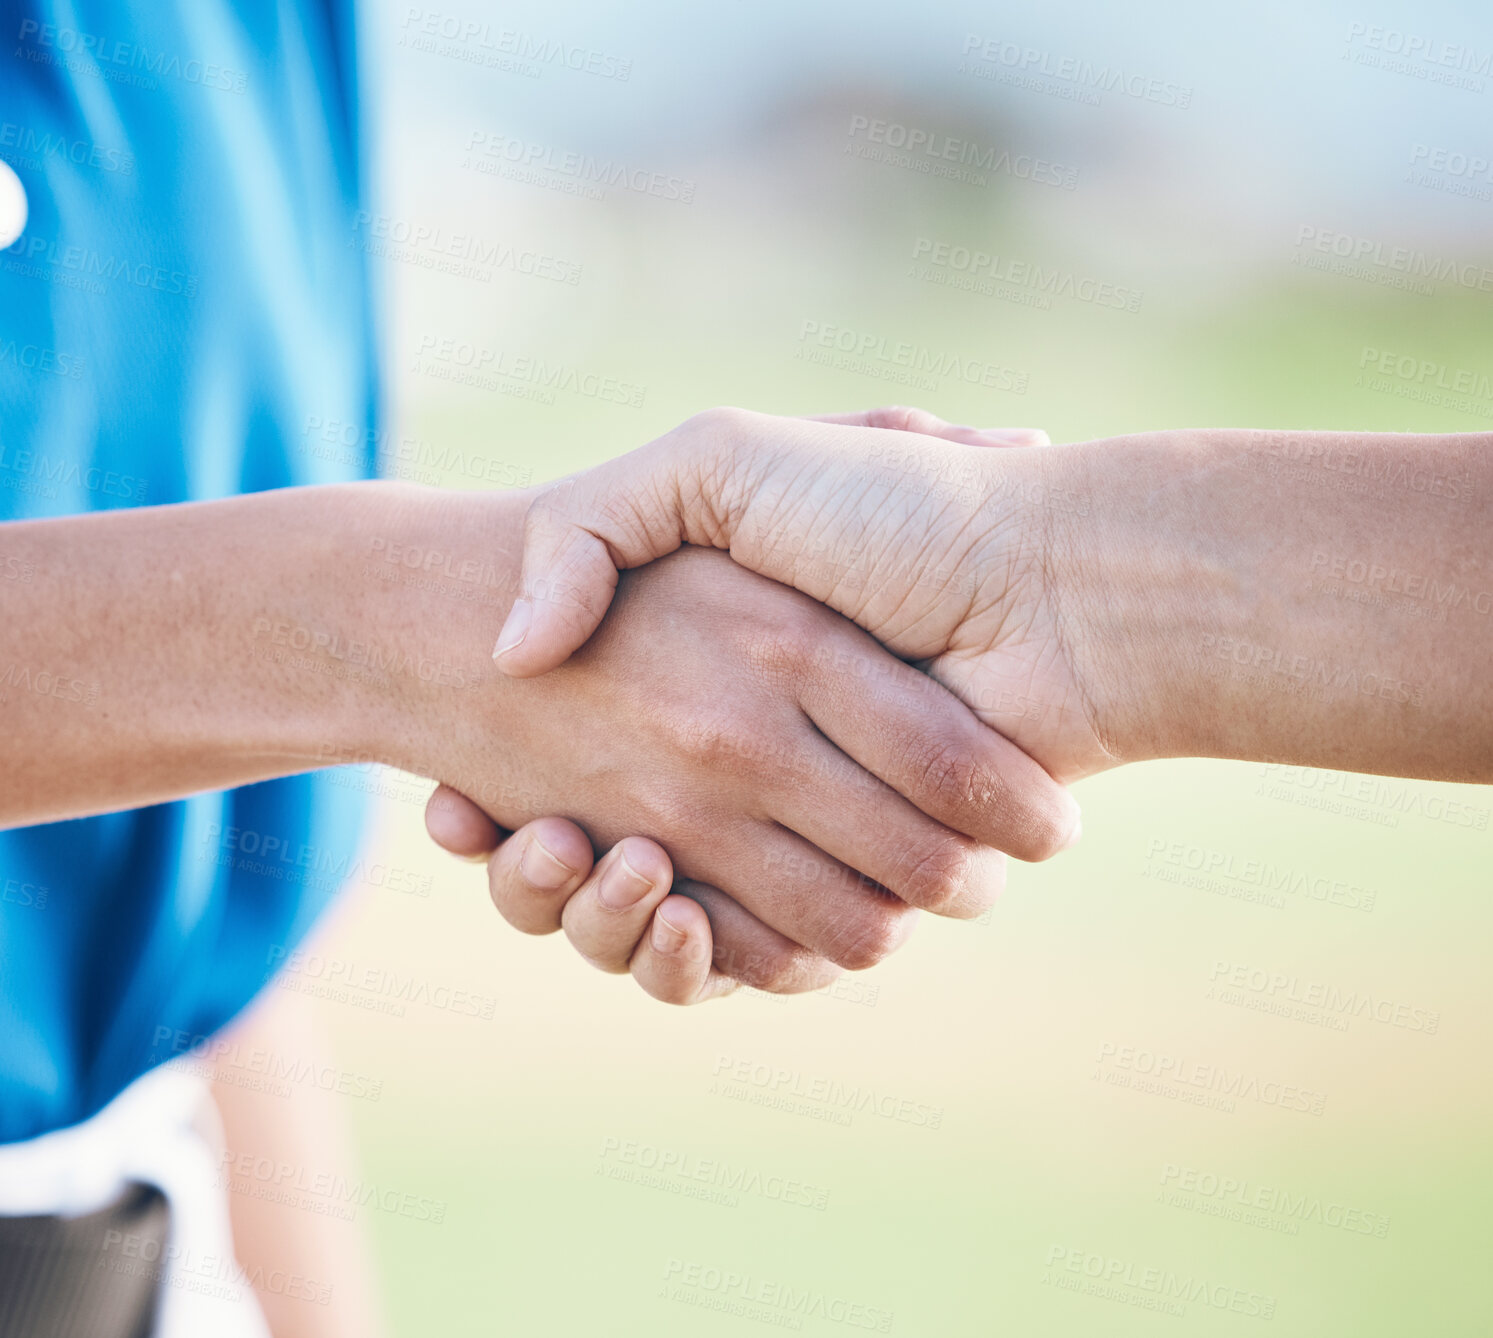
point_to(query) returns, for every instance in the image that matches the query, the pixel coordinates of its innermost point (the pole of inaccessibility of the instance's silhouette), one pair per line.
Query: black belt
(96, 1276)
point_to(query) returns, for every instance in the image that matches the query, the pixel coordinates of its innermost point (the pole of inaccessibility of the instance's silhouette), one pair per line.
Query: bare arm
(152, 653)
(1319, 598)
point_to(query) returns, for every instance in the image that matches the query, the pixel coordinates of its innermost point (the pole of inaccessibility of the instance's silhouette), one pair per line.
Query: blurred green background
(600, 1171)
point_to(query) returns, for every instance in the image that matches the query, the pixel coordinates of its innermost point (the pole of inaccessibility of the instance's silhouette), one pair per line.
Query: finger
(747, 950)
(673, 960)
(928, 746)
(456, 824)
(805, 895)
(901, 418)
(609, 914)
(536, 870)
(856, 820)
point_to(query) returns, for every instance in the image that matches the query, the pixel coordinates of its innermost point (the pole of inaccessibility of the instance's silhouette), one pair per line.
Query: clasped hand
(777, 793)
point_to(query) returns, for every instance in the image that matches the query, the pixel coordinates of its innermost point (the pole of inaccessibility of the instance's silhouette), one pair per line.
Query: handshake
(921, 635)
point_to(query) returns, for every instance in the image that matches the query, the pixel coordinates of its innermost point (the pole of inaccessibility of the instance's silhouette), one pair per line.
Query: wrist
(1135, 589)
(417, 580)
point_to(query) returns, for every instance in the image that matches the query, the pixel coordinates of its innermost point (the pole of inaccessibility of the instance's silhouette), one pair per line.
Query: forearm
(1317, 598)
(156, 652)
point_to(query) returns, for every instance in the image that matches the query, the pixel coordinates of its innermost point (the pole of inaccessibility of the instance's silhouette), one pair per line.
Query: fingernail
(515, 629)
(667, 936)
(622, 886)
(542, 869)
(473, 859)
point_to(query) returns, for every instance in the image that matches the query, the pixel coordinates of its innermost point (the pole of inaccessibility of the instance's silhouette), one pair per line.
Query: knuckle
(867, 937)
(721, 422)
(714, 741)
(896, 417)
(778, 972)
(939, 876)
(785, 647)
(944, 771)
(776, 969)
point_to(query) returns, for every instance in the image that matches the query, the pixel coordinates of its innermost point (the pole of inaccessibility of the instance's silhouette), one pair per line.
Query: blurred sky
(707, 74)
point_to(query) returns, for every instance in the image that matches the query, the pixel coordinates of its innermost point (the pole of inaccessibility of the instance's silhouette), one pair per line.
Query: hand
(711, 712)
(938, 549)
(664, 940)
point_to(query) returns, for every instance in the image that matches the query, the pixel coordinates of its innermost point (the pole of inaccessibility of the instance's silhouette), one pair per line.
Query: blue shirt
(187, 315)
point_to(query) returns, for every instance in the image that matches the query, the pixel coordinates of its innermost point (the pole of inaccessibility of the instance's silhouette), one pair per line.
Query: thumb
(690, 486)
(578, 533)
(567, 584)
